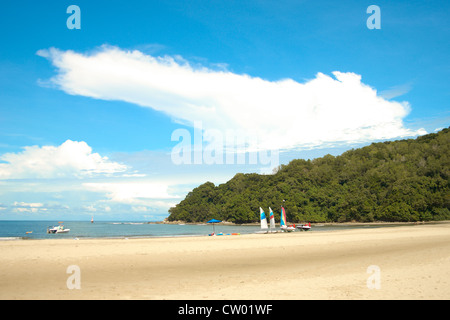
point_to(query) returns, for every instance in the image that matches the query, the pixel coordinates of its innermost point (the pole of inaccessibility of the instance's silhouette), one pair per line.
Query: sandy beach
(405, 262)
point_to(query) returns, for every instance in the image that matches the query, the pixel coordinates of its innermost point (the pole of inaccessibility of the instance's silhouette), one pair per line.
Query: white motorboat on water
(304, 227)
(57, 229)
(287, 228)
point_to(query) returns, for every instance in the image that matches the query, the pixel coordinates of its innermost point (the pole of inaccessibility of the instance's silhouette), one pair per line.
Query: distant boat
(272, 219)
(263, 219)
(57, 229)
(92, 219)
(304, 227)
(283, 224)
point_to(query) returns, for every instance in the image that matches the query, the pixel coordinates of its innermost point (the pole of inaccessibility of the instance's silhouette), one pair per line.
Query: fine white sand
(413, 263)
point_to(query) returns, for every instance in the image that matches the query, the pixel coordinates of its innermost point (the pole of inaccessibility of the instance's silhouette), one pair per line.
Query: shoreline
(414, 262)
(317, 225)
(312, 223)
(379, 224)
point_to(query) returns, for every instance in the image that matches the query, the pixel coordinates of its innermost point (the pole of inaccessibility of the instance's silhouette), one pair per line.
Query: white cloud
(28, 207)
(282, 114)
(139, 208)
(90, 208)
(132, 192)
(135, 196)
(396, 91)
(70, 159)
(32, 210)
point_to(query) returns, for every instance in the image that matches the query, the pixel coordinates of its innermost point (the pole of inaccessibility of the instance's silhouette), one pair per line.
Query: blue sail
(263, 219)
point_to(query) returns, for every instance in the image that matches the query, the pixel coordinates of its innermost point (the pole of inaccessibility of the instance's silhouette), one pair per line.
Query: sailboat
(283, 225)
(272, 222)
(92, 219)
(272, 219)
(263, 219)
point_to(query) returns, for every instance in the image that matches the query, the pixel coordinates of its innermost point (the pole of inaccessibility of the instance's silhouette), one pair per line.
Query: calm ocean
(110, 229)
(10, 230)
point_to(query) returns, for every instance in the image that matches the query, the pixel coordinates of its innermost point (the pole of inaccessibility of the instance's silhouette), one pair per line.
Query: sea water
(12, 230)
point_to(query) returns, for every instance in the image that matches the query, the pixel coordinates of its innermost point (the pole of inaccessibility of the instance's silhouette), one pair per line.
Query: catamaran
(283, 225)
(263, 219)
(264, 226)
(272, 220)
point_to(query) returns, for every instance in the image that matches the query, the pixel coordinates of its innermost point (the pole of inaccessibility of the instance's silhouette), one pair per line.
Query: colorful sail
(272, 219)
(283, 218)
(263, 219)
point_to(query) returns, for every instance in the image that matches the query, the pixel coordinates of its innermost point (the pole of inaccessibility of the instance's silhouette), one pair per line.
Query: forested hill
(405, 180)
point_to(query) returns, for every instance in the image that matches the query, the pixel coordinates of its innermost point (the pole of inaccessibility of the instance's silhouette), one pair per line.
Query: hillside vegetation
(405, 180)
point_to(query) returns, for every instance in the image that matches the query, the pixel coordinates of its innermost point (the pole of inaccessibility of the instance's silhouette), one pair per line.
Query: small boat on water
(57, 229)
(272, 228)
(264, 227)
(289, 228)
(263, 220)
(283, 224)
(304, 227)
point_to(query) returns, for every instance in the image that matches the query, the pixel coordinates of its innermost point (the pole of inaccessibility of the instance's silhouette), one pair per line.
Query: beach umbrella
(214, 221)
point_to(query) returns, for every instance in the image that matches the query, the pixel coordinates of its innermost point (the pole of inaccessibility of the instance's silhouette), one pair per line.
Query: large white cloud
(72, 159)
(282, 114)
(132, 192)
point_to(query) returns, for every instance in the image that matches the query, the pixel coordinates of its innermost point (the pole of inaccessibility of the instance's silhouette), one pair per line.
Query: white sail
(272, 219)
(263, 219)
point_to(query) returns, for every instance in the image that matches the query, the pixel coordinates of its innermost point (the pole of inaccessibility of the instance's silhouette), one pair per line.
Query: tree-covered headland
(404, 180)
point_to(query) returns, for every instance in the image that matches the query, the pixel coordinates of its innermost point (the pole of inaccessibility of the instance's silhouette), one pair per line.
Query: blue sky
(88, 117)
